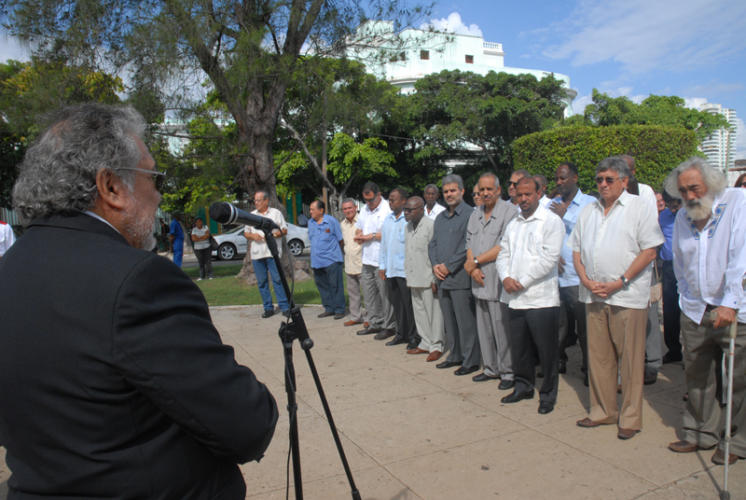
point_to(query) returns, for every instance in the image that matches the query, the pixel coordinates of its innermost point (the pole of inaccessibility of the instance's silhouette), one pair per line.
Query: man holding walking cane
(709, 255)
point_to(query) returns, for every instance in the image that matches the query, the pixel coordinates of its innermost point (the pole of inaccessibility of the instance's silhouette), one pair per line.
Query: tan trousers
(616, 343)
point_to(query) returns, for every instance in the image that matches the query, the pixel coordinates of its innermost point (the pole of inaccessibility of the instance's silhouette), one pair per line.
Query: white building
(720, 146)
(422, 53)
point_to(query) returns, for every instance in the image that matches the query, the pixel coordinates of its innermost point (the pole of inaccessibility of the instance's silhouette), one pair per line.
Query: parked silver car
(233, 244)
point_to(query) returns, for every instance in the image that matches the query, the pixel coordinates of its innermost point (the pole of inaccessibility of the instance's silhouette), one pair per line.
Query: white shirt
(647, 196)
(545, 201)
(437, 208)
(710, 265)
(530, 253)
(201, 244)
(260, 250)
(370, 222)
(609, 243)
(7, 238)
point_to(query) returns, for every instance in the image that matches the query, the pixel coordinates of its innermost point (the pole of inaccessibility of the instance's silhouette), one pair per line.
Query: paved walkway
(411, 431)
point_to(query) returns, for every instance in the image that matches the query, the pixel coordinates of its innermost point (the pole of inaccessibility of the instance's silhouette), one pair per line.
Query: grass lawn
(226, 290)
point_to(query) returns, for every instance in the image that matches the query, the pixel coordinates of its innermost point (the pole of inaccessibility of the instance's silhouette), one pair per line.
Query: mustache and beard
(700, 208)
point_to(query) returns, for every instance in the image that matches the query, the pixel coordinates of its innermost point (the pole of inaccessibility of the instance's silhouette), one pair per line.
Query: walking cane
(725, 495)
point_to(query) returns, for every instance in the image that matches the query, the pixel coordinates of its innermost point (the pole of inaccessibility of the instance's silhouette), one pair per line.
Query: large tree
(246, 49)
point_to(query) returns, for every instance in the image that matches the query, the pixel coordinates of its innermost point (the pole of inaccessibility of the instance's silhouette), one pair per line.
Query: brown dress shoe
(683, 447)
(719, 458)
(352, 322)
(434, 356)
(625, 434)
(416, 350)
(588, 423)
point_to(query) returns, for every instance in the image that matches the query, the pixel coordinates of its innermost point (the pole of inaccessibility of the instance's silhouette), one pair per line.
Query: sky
(695, 49)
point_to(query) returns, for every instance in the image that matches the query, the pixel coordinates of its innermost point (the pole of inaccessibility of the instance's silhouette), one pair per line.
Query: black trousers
(401, 300)
(572, 318)
(671, 310)
(533, 335)
(204, 258)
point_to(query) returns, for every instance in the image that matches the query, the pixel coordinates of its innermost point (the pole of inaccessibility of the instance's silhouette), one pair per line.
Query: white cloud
(642, 35)
(453, 24)
(695, 102)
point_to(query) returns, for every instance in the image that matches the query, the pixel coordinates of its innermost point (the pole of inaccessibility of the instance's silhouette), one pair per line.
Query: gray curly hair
(713, 178)
(58, 173)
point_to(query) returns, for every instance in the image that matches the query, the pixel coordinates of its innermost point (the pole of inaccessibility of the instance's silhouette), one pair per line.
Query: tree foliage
(656, 150)
(669, 111)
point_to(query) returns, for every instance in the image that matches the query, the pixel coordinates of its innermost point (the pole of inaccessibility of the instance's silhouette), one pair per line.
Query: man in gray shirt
(447, 251)
(483, 233)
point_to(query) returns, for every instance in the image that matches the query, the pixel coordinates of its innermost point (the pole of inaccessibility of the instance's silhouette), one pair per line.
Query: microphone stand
(295, 329)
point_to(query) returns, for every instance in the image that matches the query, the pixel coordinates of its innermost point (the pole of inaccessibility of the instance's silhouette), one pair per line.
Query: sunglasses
(608, 180)
(743, 184)
(159, 178)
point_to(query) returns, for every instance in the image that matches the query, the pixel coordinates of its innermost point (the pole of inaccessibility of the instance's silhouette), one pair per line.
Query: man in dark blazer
(113, 380)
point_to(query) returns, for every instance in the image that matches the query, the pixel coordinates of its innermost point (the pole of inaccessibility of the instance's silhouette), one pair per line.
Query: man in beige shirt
(353, 261)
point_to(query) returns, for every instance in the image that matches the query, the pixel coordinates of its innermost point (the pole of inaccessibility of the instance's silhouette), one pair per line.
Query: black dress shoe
(506, 384)
(514, 397)
(465, 370)
(483, 377)
(369, 331)
(545, 407)
(448, 364)
(268, 313)
(325, 314)
(384, 334)
(670, 357)
(339, 315)
(397, 340)
(562, 366)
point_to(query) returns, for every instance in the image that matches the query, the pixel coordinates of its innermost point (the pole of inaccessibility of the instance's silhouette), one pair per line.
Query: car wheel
(296, 247)
(226, 251)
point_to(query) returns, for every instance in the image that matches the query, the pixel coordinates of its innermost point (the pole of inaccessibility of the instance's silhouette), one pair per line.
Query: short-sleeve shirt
(202, 244)
(260, 250)
(353, 249)
(369, 222)
(569, 277)
(176, 231)
(482, 234)
(325, 237)
(609, 243)
(417, 264)
(432, 214)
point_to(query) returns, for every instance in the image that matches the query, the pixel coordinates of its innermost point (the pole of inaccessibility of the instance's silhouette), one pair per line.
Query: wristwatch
(625, 282)
(476, 262)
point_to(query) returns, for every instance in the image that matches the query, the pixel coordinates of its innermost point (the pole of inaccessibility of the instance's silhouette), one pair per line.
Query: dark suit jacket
(113, 381)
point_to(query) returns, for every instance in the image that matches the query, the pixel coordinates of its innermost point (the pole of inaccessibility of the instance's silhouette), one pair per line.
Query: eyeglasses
(512, 183)
(159, 178)
(743, 184)
(608, 180)
(406, 209)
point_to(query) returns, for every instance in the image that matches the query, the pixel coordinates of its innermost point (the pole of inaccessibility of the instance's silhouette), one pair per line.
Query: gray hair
(490, 174)
(431, 186)
(58, 172)
(713, 178)
(615, 163)
(349, 200)
(453, 179)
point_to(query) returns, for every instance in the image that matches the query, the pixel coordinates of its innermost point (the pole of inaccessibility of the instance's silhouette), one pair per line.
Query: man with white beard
(709, 260)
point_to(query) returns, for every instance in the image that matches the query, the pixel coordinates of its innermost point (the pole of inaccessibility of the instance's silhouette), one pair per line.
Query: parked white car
(233, 244)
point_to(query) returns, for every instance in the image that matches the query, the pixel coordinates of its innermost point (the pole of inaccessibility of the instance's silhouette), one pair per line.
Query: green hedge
(657, 150)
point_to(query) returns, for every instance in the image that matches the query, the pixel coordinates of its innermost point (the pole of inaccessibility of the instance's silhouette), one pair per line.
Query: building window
(424, 55)
(469, 59)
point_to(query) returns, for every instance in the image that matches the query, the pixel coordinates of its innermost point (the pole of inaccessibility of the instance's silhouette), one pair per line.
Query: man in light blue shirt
(568, 204)
(391, 270)
(327, 262)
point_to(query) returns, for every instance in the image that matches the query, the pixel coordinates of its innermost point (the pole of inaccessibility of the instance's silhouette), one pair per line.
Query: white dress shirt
(432, 214)
(710, 265)
(530, 253)
(609, 243)
(371, 221)
(259, 249)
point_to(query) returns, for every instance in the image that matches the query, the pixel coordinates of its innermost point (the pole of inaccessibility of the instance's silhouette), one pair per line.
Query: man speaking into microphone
(114, 381)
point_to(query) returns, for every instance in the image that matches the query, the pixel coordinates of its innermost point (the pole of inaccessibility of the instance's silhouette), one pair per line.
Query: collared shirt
(324, 237)
(482, 234)
(370, 222)
(710, 265)
(432, 214)
(391, 255)
(666, 221)
(448, 246)
(176, 231)
(353, 249)
(545, 201)
(260, 250)
(569, 277)
(609, 243)
(530, 252)
(417, 265)
(6, 237)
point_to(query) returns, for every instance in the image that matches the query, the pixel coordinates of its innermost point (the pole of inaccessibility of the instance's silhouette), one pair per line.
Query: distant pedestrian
(201, 242)
(176, 237)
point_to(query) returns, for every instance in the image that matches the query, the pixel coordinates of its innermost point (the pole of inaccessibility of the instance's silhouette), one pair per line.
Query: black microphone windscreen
(220, 211)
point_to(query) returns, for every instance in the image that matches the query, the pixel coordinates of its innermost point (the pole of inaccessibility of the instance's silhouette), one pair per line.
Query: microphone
(225, 213)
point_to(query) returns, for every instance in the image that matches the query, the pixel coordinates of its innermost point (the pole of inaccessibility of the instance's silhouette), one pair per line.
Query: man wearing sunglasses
(613, 243)
(115, 382)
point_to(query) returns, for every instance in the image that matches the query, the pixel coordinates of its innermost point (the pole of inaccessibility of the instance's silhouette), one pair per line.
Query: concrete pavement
(411, 431)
